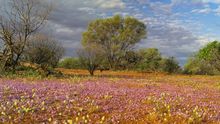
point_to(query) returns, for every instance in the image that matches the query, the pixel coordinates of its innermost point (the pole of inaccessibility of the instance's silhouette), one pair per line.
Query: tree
(206, 60)
(211, 54)
(18, 23)
(6, 38)
(150, 59)
(170, 65)
(70, 63)
(44, 51)
(91, 57)
(130, 60)
(194, 65)
(116, 36)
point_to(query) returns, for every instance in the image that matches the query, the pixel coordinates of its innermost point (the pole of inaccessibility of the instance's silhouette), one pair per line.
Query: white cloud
(176, 2)
(202, 11)
(167, 30)
(217, 11)
(211, 1)
(110, 4)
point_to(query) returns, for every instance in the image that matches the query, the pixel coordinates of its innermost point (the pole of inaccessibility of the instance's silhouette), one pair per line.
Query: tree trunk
(91, 72)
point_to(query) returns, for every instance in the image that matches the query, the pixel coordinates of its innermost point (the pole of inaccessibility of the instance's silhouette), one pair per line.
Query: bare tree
(19, 22)
(6, 36)
(91, 57)
(44, 52)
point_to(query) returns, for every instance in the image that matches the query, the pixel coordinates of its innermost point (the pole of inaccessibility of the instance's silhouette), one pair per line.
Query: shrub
(205, 61)
(45, 52)
(70, 63)
(150, 59)
(170, 65)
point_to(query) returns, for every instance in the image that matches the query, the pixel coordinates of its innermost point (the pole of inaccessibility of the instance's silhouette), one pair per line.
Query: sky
(177, 28)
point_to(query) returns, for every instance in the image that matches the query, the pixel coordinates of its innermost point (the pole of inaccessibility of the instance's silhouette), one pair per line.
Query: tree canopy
(150, 59)
(206, 60)
(116, 36)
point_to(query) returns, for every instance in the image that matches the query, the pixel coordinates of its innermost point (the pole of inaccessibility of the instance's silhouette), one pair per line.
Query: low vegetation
(156, 99)
(70, 63)
(39, 85)
(206, 61)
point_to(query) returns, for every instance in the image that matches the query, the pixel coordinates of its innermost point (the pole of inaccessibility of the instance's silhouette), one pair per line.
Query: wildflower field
(150, 99)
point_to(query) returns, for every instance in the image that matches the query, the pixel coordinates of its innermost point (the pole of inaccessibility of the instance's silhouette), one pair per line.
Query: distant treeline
(108, 44)
(204, 62)
(143, 60)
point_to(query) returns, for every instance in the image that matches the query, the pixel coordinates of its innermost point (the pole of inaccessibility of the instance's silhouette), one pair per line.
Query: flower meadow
(150, 100)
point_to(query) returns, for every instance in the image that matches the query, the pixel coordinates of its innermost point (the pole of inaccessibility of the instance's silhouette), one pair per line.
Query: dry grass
(135, 97)
(134, 74)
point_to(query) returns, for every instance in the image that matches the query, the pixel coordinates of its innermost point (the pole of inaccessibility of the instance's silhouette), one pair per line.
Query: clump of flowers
(104, 100)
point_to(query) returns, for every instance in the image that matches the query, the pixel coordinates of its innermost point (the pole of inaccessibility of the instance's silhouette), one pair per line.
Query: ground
(130, 97)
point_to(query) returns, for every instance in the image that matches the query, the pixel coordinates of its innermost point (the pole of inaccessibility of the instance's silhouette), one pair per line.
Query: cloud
(207, 10)
(161, 7)
(167, 31)
(70, 19)
(217, 11)
(202, 11)
(211, 1)
(177, 2)
(171, 40)
(110, 4)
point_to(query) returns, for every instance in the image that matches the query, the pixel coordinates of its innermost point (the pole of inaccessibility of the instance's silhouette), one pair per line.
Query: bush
(70, 63)
(205, 61)
(150, 59)
(44, 52)
(199, 67)
(22, 72)
(170, 65)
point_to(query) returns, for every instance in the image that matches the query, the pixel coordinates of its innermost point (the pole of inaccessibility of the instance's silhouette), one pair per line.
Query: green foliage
(70, 63)
(130, 60)
(116, 36)
(1, 67)
(150, 59)
(206, 61)
(23, 72)
(207, 53)
(170, 65)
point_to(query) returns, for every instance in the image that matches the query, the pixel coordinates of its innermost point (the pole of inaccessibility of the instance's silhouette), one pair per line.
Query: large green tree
(116, 36)
(211, 54)
(206, 61)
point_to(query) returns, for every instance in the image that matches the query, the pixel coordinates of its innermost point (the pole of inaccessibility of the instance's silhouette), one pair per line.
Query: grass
(129, 97)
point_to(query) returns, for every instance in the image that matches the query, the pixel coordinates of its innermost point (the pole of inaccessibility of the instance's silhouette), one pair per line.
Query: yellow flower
(86, 121)
(103, 118)
(70, 121)
(3, 113)
(77, 119)
(43, 109)
(50, 119)
(165, 119)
